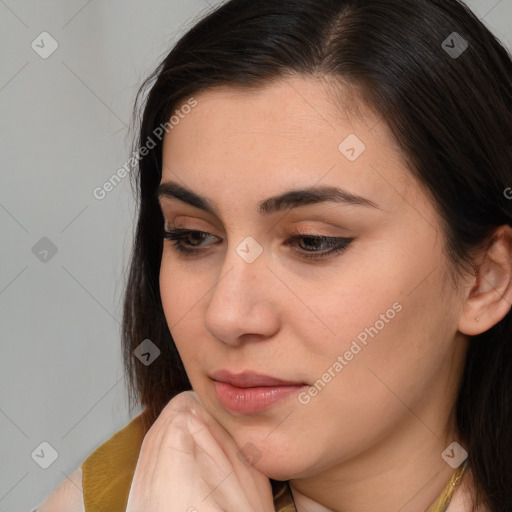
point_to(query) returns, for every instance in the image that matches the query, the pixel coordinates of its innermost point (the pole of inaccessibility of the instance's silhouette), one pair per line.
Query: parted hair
(442, 83)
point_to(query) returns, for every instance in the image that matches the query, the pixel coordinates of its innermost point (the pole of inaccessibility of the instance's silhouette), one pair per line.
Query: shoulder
(108, 471)
(104, 477)
(67, 497)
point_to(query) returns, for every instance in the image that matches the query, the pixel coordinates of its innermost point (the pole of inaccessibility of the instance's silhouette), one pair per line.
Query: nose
(244, 301)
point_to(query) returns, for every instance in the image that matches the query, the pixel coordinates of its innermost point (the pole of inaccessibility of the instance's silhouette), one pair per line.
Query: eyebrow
(290, 199)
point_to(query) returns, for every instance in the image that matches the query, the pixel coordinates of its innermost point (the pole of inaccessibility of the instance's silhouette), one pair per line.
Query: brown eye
(313, 245)
(182, 239)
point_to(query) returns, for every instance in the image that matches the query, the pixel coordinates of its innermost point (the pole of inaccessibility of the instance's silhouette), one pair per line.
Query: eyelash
(338, 244)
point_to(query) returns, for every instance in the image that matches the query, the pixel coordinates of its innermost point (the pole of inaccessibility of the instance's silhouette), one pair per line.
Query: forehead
(294, 131)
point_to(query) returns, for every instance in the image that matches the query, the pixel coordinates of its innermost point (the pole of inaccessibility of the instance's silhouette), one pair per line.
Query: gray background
(63, 129)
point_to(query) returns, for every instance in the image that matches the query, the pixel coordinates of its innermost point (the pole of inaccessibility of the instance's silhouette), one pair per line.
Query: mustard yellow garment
(107, 472)
(107, 475)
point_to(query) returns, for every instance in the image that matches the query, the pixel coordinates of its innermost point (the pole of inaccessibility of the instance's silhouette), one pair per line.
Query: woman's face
(369, 330)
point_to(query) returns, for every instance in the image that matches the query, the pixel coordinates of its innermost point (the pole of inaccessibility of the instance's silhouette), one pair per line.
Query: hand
(189, 463)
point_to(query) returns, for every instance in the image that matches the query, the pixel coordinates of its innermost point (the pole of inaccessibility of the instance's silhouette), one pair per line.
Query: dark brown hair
(451, 115)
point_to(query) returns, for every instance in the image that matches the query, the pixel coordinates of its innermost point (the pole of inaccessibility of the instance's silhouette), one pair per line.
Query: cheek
(181, 290)
(384, 356)
(384, 302)
(381, 327)
(180, 300)
(363, 292)
(348, 313)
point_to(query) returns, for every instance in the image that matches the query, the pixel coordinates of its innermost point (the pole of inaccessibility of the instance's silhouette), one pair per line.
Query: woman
(324, 256)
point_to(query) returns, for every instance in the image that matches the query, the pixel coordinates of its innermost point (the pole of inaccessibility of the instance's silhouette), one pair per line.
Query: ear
(490, 298)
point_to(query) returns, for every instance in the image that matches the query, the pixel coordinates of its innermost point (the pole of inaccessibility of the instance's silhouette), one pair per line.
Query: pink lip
(248, 379)
(250, 392)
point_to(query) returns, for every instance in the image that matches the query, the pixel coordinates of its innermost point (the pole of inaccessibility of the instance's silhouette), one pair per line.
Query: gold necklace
(283, 499)
(443, 500)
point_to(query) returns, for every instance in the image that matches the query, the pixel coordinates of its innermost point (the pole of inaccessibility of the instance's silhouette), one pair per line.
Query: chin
(277, 459)
(283, 469)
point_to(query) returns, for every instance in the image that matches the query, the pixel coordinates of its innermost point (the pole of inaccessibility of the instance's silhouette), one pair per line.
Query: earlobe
(490, 298)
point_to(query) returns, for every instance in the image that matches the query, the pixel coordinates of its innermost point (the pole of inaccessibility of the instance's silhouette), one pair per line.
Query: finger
(215, 427)
(206, 446)
(217, 470)
(247, 476)
(189, 450)
(189, 400)
(182, 402)
(246, 472)
(168, 436)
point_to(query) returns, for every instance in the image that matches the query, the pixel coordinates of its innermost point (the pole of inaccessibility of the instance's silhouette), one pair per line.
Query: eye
(188, 242)
(182, 239)
(313, 243)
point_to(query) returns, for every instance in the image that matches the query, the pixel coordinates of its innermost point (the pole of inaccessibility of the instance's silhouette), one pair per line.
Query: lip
(250, 392)
(249, 379)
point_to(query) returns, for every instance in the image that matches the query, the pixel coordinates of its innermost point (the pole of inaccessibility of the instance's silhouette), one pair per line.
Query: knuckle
(181, 401)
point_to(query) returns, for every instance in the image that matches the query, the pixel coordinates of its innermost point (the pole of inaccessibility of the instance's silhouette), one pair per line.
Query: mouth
(250, 392)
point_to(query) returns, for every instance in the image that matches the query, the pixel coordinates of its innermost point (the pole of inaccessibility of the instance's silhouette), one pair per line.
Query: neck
(403, 472)
(400, 482)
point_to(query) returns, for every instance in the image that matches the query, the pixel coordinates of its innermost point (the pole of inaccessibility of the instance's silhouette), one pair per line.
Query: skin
(372, 439)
